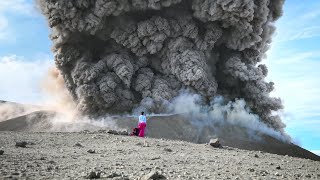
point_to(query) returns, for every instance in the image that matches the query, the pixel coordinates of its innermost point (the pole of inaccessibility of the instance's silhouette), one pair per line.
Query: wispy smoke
(219, 113)
(117, 55)
(10, 110)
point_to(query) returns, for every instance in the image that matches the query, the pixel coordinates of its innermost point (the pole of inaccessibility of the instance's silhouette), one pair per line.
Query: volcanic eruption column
(116, 55)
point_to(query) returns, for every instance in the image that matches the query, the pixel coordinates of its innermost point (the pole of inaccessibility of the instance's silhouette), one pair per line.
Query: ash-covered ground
(66, 156)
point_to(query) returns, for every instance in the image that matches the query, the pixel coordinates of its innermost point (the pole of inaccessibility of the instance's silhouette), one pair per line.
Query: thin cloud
(299, 22)
(307, 32)
(297, 83)
(20, 78)
(17, 6)
(8, 10)
(4, 33)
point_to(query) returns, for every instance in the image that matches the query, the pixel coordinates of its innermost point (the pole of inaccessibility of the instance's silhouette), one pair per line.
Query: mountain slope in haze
(10, 110)
(175, 127)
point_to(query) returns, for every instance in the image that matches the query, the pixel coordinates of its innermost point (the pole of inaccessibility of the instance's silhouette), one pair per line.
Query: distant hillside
(10, 110)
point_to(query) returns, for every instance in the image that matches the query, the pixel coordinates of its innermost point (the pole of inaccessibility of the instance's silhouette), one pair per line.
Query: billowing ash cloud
(116, 55)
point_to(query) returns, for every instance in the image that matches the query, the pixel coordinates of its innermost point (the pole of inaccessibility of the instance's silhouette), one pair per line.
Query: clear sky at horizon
(293, 61)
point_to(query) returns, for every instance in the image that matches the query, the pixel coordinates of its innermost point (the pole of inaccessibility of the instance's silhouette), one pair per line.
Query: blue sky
(293, 62)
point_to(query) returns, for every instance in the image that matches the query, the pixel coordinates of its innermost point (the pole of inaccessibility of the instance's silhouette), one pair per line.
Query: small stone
(102, 131)
(264, 173)
(93, 175)
(15, 173)
(114, 132)
(167, 149)
(277, 174)
(297, 175)
(251, 169)
(31, 143)
(91, 151)
(49, 168)
(52, 162)
(1, 152)
(86, 131)
(145, 144)
(308, 176)
(215, 143)
(278, 167)
(21, 144)
(112, 175)
(78, 145)
(256, 156)
(154, 158)
(155, 175)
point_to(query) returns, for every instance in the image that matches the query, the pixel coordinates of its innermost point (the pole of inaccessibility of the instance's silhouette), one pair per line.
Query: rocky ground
(99, 154)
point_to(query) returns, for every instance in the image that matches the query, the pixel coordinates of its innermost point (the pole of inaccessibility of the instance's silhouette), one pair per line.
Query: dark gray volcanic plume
(116, 55)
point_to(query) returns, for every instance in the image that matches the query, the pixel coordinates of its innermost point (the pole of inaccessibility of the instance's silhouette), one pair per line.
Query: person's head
(142, 113)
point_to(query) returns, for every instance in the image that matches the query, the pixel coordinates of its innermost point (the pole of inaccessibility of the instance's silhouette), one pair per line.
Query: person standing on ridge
(142, 124)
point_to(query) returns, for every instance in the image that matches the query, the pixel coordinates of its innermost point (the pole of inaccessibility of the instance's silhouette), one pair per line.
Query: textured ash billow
(117, 55)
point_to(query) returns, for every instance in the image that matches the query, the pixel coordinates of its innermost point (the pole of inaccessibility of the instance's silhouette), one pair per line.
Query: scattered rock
(85, 131)
(308, 176)
(112, 175)
(278, 167)
(21, 144)
(31, 143)
(124, 133)
(78, 145)
(145, 144)
(251, 169)
(263, 173)
(167, 149)
(49, 168)
(52, 162)
(102, 131)
(215, 143)
(154, 175)
(297, 176)
(154, 158)
(277, 174)
(256, 155)
(93, 175)
(1, 152)
(91, 151)
(15, 173)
